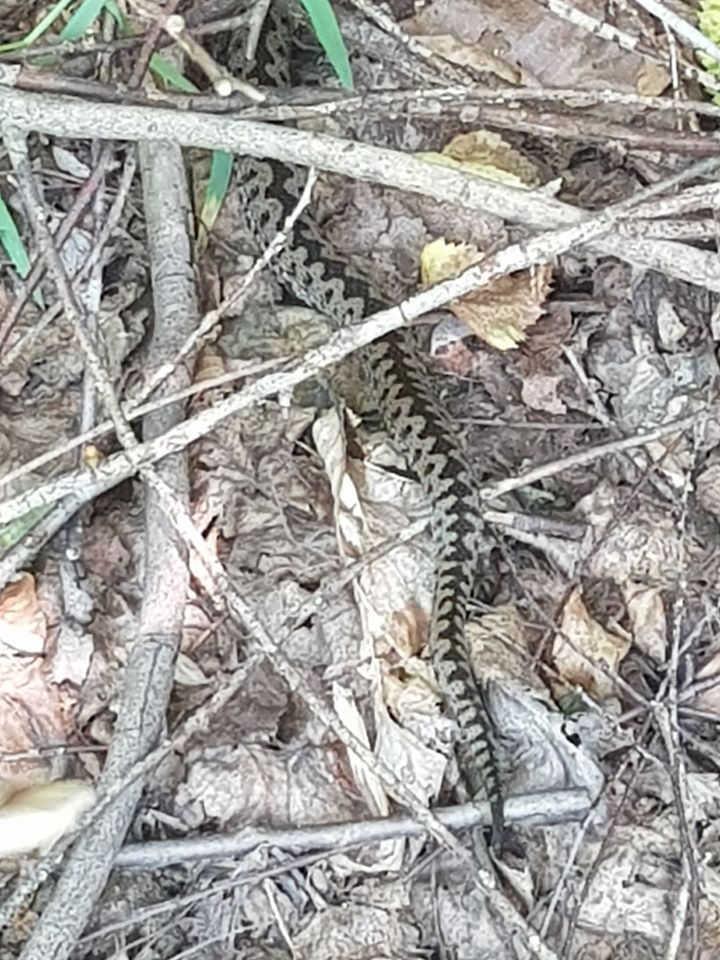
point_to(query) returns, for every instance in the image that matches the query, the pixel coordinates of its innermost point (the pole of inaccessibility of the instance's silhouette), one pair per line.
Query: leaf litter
(306, 507)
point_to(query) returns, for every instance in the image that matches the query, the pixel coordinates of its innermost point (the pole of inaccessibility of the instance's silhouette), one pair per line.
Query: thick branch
(70, 117)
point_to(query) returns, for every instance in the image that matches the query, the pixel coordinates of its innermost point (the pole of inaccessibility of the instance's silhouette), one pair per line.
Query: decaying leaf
(470, 55)
(592, 647)
(708, 489)
(188, 672)
(539, 392)
(33, 818)
(498, 646)
(647, 615)
(532, 726)
(22, 622)
(486, 154)
(500, 312)
(394, 594)
(709, 698)
(653, 79)
(632, 544)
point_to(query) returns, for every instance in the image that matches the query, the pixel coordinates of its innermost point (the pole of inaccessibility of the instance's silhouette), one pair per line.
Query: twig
(626, 41)
(502, 487)
(149, 671)
(65, 116)
(213, 317)
(516, 257)
(133, 410)
(681, 28)
(49, 525)
(557, 806)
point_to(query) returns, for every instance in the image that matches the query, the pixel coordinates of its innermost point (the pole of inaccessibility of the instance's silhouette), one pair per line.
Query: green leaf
(14, 531)
(115, 12)
(39, 29)
(220, 170)
(165, 71)
(322, 18)
(83, 18)
(11, 242)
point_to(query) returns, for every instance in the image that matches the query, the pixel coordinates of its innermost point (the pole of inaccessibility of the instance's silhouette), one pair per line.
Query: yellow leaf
(500, 313)
(486, 154)
(441, 260)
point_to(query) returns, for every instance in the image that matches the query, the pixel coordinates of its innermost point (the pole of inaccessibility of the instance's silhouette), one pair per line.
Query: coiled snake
(312, 272)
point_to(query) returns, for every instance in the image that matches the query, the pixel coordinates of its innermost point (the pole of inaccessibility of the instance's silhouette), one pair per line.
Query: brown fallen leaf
(646, 610)
(470, 55)
(22, 622)
(485, 154)
(499, 313)
(593, 647)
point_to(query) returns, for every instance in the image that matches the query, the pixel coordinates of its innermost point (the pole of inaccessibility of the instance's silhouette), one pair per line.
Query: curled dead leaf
(470, 55)
(646, 610)
(22, 622)
(708, 489)
(709, 697)
(593, 647)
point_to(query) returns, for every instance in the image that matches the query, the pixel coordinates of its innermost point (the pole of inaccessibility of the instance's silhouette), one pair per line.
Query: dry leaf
(593, 645)
(394, 595)
(709, 699)
(498, 645)
(371, 787)
(22, 623)
(35, 817)
(539, 392)
(653, 79)
(372, 506)
(498, 313)
(188, 673)
(470, 55)
(485, 154)
(708, 489)
(329, 437)
(647, 615)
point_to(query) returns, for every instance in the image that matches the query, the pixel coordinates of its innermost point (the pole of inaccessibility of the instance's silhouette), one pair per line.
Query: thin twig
(693, 37)
(557, 806)
(114, 469)
(65, 116)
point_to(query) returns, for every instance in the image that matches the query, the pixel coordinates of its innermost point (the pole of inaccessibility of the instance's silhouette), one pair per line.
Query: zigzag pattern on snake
(313, 272)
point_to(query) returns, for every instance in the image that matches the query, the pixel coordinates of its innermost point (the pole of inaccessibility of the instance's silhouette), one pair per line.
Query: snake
(309, 269)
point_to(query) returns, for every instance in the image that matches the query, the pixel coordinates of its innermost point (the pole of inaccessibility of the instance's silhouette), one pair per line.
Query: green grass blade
(12, 242)
(39, 29)
(166, 72)
(14, 532)
(322, 18)
(83, 18)
(114, 11)
(220, 171)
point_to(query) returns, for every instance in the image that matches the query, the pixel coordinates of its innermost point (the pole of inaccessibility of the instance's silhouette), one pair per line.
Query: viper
(313, 272)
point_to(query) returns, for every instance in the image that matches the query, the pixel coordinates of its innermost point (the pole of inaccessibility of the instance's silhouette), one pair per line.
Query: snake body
(312, 271)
